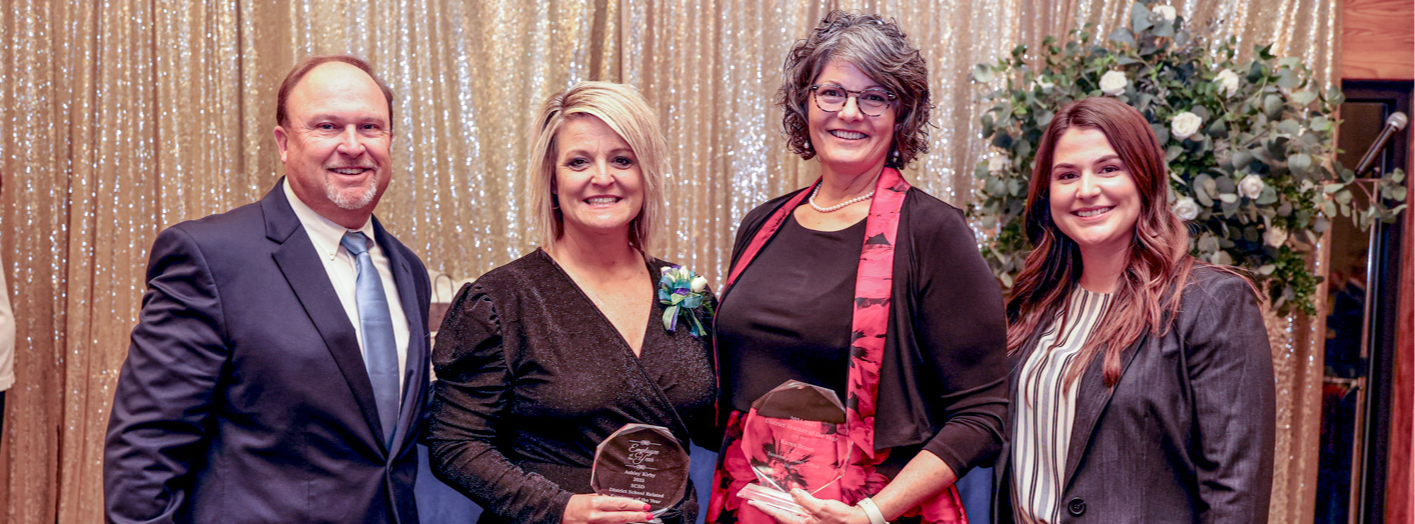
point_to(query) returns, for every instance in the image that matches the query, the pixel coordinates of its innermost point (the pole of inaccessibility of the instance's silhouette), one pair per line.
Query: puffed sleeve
(961, 332)
(156, 430)
(473, 389)
(1230, 369)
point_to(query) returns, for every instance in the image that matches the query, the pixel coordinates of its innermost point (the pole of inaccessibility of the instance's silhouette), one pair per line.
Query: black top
(533, 377)
(794, 298)
(943, 379)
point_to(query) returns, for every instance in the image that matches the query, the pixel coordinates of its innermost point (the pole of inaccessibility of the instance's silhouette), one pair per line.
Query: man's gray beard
(353, 203)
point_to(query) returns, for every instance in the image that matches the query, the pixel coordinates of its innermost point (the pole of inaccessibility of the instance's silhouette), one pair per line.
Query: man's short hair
(308, 64)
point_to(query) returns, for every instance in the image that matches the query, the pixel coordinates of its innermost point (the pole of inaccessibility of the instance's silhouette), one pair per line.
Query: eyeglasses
(872, 102)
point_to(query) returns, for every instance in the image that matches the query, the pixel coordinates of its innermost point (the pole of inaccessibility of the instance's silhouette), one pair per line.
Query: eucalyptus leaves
(1250, 145)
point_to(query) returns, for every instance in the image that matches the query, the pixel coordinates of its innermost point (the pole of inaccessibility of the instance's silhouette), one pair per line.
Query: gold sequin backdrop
(121, 117)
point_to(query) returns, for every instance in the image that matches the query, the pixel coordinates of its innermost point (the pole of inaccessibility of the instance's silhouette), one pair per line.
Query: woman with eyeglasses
(867, 287)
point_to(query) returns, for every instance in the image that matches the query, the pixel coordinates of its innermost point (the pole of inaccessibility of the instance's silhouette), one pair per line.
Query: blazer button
(1076, 507)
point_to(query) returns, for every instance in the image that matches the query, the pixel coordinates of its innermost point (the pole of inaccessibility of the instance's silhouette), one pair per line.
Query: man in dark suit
(279, 366)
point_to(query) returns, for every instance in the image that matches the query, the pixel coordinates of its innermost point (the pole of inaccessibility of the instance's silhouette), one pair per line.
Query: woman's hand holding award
(642, 462)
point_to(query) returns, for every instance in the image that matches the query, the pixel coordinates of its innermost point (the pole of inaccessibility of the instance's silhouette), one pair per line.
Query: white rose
(1186, 208)
(1227, 82)
(1113, 83)
(1275, 236)
(699, 284)
(1184, 125)
(1165, 12)
(998, 163)
(1221, 258)
(1251, 186)
(1042, 83)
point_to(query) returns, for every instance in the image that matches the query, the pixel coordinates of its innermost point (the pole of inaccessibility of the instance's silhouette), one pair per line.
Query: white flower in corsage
(1251, 186)
(1184, 125)
(1227, 82)
(1186, 208)
(1275, 236)
(684, 295)
(1113, 83)
(1165, 12)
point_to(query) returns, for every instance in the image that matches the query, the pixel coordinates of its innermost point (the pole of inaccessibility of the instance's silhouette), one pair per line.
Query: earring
(896, 157)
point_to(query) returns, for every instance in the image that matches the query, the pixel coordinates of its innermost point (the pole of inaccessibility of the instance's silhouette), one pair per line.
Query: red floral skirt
(859, 480)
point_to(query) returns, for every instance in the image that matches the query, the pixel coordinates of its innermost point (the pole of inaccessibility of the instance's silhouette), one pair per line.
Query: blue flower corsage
(684, 294)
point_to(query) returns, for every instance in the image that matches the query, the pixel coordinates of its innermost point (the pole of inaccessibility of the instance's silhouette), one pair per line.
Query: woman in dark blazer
(1143, 386)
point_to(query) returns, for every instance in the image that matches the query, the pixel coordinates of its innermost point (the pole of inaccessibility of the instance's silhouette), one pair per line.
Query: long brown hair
(1157, 266)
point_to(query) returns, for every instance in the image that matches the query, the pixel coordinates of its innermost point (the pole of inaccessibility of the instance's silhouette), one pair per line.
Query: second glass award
(795, 437)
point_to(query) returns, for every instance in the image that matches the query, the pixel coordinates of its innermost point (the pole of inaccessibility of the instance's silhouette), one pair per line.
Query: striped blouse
(1045, 409)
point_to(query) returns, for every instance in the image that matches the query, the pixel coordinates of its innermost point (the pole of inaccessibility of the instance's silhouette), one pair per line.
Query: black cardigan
(943, 379)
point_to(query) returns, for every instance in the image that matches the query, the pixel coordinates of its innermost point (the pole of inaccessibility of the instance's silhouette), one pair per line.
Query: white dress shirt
(344, 274)
(7, 338)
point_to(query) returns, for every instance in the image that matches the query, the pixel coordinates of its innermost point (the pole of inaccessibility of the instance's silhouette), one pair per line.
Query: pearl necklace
(837, 207)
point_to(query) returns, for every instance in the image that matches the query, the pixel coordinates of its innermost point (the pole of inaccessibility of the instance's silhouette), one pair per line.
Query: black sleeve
(474, 385)
(1230, 369)
(745, 232)
(962, 335)
(705, 430)
(165, 389)
(752, 223)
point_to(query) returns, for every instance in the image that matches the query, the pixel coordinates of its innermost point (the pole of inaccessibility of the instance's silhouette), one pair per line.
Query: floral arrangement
(1250, 146)
(684, 294)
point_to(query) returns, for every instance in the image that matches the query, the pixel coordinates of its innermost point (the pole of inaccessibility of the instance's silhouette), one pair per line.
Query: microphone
(1394, 124)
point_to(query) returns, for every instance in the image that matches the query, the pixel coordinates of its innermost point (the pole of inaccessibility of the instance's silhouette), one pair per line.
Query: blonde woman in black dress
(543, 358)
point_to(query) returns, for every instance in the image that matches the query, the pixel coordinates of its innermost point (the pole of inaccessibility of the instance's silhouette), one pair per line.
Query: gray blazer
(1186, 435)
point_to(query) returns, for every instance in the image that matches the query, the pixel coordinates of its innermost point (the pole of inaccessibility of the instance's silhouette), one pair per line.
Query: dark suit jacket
(244, 397)
(1186, 435)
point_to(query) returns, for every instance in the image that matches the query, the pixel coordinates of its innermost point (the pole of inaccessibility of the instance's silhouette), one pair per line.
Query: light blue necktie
(376, 324)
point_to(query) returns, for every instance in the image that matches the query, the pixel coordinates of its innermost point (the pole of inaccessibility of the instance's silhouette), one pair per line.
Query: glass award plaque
(641, 462)
(794, 437)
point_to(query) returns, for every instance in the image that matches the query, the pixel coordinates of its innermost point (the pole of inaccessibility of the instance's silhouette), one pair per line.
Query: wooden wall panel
(1378, 40)
(1378, 43)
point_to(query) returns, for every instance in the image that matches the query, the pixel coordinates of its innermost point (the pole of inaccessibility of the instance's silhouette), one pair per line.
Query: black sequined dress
(532, 377)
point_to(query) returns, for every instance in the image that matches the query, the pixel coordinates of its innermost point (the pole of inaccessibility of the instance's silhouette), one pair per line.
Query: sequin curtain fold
(122, 117)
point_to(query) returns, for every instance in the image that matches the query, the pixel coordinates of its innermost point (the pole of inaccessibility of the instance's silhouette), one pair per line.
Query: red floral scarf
(869, 326)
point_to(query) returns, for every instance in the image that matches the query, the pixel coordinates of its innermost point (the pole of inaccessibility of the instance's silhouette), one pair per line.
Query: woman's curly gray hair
(879, 49)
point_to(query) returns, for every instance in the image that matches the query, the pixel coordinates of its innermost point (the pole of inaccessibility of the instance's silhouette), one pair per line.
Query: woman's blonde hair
(624, 110)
